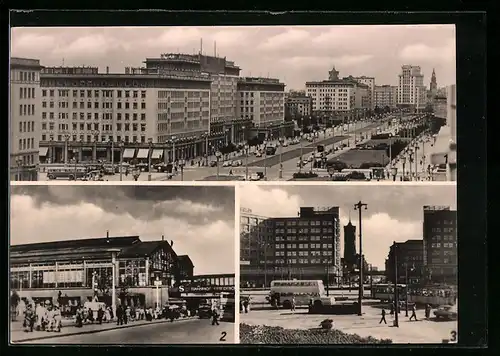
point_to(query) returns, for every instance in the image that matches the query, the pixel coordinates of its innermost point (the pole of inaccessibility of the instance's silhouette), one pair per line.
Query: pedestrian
(392, 309)
(427, 311)
(90, 315)
(126, 315)
(245, 305)
(56, 326)
(111, 314)
(29, 318)
(119, 315)
(215, 316)
(292, 304)
(413, 313)
(79, 317)
(100, 315)
(382, 319)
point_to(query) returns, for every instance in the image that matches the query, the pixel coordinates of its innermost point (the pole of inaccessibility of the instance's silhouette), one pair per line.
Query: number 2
(453, 336)
(223, 337)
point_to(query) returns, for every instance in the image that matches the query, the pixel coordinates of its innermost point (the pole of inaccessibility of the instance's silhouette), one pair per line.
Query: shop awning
(143, 153)
(129, 153)
(42, 152)
(157, 154)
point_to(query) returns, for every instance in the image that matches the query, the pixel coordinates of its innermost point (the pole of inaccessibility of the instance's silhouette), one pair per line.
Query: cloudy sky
(200, 220)
(394, 213)
(294, 54)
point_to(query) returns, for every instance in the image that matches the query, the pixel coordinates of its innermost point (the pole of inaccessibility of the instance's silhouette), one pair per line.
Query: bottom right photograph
(348, 264)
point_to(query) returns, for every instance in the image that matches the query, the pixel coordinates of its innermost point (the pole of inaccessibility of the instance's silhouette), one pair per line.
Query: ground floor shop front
(262, 278)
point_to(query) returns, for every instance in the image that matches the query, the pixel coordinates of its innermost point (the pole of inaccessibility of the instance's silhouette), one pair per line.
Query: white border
(237, 263)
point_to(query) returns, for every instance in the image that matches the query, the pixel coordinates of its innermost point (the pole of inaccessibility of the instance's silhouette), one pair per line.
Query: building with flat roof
(297, 105)
(385, 96)
(302, 247)
(115, 269)
(24, 118)
(412, 92)
(440, 243)
(410, 260)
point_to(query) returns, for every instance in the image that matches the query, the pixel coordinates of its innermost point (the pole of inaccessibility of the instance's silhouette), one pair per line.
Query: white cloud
(29, 44)
(174, 37)
(349, 60)
(424, 52)
(186, 207)
(210, 246)
(273, 203)
(289, 37)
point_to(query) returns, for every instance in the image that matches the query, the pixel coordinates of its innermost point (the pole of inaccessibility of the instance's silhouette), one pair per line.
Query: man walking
(215, 316)
(119, 315)
(383, 317)
(413, 313)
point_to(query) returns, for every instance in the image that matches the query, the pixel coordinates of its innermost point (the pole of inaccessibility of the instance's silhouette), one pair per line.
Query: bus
(385, 292)
(304, 292)
(270, 150)
(70, 173)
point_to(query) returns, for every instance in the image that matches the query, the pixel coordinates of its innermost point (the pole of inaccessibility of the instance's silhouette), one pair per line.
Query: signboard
(74, 276)
(158, 283)
(246, 210)
(207, 289)
(244, 263)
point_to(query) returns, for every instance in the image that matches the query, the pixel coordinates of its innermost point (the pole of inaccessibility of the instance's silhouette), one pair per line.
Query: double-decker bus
(303, 291)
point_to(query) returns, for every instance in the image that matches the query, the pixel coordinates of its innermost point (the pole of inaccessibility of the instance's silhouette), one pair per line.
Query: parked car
(143, 167)
(237, 163)
(162, 167)
(254, 177)
(213, 163)
(226, 164)
(258, 154)
(448, 312)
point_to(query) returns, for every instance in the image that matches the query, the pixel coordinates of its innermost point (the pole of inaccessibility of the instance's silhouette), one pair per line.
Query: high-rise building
(303, 247)
(370, 82)
(298, 105)
(440, 243)
(412, 93)
(433, 84)
(349, 246)
(410, 261)
(25, 118)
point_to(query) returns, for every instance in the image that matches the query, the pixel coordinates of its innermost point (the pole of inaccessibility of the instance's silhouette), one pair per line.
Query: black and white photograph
(234, 103)
(348, 264)
(122, 265)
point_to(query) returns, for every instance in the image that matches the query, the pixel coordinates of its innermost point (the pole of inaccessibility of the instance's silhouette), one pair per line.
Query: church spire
(349, 216)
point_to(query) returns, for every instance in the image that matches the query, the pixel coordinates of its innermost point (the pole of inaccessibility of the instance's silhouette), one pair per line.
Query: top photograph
(257, 103)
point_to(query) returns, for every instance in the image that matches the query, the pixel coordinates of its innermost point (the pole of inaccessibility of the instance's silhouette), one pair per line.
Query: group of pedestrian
(413, 315)
(42, 318)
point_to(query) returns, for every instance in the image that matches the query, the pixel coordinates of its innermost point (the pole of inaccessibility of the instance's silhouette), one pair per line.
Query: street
(422, 331)
(194, 331)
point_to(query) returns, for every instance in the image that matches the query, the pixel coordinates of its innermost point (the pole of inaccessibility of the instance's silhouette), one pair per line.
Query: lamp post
(410, 158)
(19, 163)
(394, 172)
(95, 133)
(281, 141)
(358, 206)
(246, 148)
(67, 136)
(112, 154)
(173, 139)
(121, 159)
(404, 164)
(396, 294)
(406, 280)
(206, 148)
(416, 161)
(182, 162)
(217, 158)
(150, 145)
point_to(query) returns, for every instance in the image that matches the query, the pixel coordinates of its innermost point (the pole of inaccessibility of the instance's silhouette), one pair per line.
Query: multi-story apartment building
(440, 106)
(262, 100)
(224, 76)
(440, 243)
(24, 112)
(411, 90)
(410, 261)
(345, 97)
(89, 115)
(370, 82)
(386, 96)
(298, 105)
(349, 259)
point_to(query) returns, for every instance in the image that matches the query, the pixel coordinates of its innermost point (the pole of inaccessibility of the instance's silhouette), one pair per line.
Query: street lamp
(410, 157)
(281, 141)
(95, 133)
(66, 139)
(406, 280)
(217, 158)
(182, 162)
(150, 145)
(19, 163)
(394, 172)
(246, 148)
(416, 161)
(172, 140)
(121, 159)
(396, 291)
(404, 163)
(358, 206)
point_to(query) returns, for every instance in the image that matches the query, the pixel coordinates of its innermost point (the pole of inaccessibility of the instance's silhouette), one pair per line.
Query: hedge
(262, 334)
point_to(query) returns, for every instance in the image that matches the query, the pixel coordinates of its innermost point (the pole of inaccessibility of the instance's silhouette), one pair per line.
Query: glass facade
(213, 281)
(132, 273)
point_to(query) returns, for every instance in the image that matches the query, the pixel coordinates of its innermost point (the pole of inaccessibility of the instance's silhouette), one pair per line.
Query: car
(285, 144)
(254, 177)
(258, 154)
(448, 312)
(204, 311)
(143, 167)
(213, 163)
(226, 164)
(236, 163)
(160, 167)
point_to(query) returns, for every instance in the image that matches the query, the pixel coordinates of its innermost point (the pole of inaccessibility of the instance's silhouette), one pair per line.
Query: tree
(14, 302)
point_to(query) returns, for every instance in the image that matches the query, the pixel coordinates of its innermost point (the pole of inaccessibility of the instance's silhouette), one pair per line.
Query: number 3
(453, 336)
(223, 337)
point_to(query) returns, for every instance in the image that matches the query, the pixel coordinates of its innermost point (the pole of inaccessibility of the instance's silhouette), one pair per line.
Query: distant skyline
(395, 213)
(199, 220)
(293, 54)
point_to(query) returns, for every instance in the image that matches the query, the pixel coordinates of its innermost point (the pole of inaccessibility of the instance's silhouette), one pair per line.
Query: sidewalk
(19, 335)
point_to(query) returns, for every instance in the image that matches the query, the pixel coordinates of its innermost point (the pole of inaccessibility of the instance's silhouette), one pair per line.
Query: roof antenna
(107, 234)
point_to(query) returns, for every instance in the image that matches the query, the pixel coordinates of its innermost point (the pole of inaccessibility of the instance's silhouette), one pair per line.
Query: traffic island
(262, 334)
(18, 336)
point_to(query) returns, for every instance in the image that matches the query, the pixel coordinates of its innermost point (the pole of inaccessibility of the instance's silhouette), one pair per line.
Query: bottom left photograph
(122, 265)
